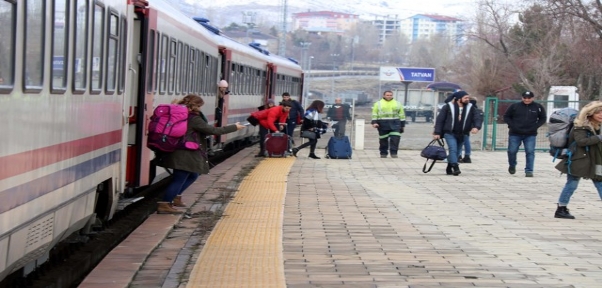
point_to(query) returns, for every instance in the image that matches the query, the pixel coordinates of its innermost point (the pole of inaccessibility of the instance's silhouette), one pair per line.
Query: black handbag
(308, 134)
(434, 151)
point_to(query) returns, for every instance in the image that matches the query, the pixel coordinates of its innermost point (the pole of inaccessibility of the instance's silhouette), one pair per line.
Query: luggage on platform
(277, 144)
(338, 148)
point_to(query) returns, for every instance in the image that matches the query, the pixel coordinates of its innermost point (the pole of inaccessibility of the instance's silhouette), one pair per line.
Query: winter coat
(312, 121)
(447, 119)
(268, 117)
(296, 111)
(195, 161)
(339, 110)
(583, 143)
(389, 115)
(523, 119)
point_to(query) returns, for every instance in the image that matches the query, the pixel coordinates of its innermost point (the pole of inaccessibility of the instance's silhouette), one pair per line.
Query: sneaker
(528, 174)
(383, 156)
(512, 170)
(394, 156)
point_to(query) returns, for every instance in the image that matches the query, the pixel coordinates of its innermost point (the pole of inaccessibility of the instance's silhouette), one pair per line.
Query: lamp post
(334, 68)
(304, 47)
(248, 18)
(307, 76)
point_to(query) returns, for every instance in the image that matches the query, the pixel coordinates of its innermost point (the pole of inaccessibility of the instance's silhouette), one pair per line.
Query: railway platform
(367, 222)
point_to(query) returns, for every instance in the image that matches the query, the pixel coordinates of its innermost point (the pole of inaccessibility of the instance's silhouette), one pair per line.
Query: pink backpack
(168, 127)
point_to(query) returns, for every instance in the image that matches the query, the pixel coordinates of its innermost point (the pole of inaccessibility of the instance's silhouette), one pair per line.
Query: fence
(495, 130)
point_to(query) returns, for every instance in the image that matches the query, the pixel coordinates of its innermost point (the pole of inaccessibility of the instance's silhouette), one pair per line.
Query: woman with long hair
(187, 165)
(311, 128)
(586, 160)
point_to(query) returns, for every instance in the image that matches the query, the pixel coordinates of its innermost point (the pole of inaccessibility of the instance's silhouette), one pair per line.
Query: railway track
(72, 260)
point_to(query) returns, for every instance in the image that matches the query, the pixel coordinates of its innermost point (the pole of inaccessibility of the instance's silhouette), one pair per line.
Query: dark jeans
(312, 145)
(339, 130)
(262, 134)
(290, 127)
(388, 142)
(180, 181)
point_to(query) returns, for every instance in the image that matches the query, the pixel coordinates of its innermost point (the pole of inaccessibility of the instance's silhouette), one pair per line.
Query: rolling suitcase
(338, 148)
(277, 144)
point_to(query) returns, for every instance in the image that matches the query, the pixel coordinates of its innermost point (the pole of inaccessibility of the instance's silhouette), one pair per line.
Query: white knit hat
(222, 84)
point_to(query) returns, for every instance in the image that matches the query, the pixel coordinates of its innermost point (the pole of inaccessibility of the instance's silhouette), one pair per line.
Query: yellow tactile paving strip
(245, 247)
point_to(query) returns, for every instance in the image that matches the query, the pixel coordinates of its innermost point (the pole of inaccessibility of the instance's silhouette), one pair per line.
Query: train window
(191, 73)
(163, 64)
(34, 43)
(97, 47)
(151, 61)
(7, 48)
(80, 46)
(173, 45)
(178, 69)
(112, 53)
(59, 46)
(123, 66)
(183, 69)
(207, 75)
(201, 72)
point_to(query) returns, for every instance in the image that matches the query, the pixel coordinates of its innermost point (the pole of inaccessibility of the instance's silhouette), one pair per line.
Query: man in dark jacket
(478, 124)
(523, 119)
(456, 119)
(295, 114)
(339, 112)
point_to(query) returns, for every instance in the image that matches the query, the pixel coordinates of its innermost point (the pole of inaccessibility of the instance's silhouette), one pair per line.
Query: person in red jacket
(267, 119)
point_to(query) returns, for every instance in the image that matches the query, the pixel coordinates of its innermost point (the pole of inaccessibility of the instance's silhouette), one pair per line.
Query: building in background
(324, 21)
(424, 26)
(387, 26)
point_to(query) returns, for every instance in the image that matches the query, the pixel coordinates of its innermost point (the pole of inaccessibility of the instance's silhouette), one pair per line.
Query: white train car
(62, 85)
(78, 84)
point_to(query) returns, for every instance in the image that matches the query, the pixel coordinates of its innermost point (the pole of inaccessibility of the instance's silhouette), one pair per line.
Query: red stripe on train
(30, 160)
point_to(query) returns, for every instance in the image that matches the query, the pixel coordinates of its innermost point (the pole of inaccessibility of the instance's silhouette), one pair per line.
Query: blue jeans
(179, 182)
(452, 146)
(466, 146)
(528, 142)
(571, 186)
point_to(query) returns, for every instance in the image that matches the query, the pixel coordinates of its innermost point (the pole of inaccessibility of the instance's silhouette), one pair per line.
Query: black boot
(313, 156)
(455, 169)
(295, 151)
(466, 159)
(448, 170)
(563, 212)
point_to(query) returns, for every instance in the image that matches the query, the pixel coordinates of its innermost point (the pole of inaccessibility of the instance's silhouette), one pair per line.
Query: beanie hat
(458, 95)
(222, 84)
(270, 102)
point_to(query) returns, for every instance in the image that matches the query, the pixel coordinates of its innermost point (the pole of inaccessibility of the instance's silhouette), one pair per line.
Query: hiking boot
(528, 174)
(448, 170)
(166, 208)
(313, 156)
(466, 159)
(295, 151)
(512, 170)
(393, 156)
(177, 202)
(455, 169)
(563, 212)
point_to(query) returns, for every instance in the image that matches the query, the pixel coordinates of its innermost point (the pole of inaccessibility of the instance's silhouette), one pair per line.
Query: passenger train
(78, 83)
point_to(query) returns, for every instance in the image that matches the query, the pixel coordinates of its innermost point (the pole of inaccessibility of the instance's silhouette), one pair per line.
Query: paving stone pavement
(372, 222)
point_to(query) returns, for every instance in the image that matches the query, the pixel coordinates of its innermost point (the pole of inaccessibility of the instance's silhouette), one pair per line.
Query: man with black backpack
(523, 119)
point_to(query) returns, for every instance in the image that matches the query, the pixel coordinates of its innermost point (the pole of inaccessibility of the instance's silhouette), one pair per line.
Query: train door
(221, 105)
(142, 49)
(270, 81)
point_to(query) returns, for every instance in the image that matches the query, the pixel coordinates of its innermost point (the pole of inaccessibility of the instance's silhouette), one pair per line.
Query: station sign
(408, 74)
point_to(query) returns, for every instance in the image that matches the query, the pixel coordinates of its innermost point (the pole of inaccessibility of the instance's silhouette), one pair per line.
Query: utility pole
(334, 68)
(249, 18)
(282, 41)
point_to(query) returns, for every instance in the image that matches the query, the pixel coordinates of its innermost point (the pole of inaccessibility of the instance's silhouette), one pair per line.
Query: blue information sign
(407, 74)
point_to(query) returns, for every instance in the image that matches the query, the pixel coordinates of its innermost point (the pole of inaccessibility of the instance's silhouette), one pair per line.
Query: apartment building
(324, 21)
